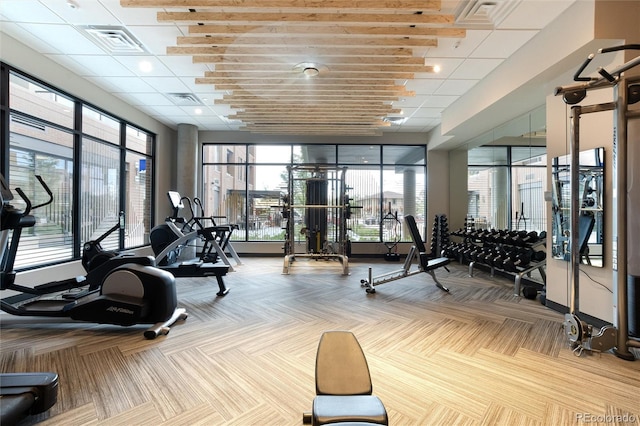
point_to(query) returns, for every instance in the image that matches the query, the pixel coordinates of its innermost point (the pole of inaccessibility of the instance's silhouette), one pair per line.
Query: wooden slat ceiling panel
(317, 67)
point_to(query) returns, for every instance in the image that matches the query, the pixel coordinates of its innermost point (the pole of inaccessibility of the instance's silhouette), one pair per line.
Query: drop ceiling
(282, 67)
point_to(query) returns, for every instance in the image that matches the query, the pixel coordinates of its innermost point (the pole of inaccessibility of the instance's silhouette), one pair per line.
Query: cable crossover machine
(624, 334)
(317, 208)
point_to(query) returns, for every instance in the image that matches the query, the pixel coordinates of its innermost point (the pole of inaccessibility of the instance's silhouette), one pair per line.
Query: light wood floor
(475, 356)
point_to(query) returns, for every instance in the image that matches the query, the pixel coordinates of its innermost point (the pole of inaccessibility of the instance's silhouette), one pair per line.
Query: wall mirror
(591, 199)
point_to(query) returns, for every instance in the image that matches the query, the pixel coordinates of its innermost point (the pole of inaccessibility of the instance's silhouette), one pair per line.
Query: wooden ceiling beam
(292, 61)
(303, 40)
(376, 121)
(297, 88)
(316, 52)
(279, 30)
(319, 126)
(355, 68)
(383, 110)
(382, 5)
(355, 18)
(336, 76)
(319, 82)
(317, 132)
(288, 91)
(298, 103)
(314, 96)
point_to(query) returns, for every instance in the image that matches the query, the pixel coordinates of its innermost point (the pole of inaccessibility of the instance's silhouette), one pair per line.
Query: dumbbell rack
(518, 275)
(440, 235)
(475, 241)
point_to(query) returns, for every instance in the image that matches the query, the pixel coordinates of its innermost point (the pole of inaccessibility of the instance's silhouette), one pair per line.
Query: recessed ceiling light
(311, 71)
(72, 4)
(198, 111)
(436, 68)
(145, 66)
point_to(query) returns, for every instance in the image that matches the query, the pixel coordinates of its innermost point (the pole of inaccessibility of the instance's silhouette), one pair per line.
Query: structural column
(187, 160)
(409, 191)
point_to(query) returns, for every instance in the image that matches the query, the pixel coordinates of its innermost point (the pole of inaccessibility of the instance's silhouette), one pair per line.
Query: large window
(506, 187)
(97, 166)
(378, 179)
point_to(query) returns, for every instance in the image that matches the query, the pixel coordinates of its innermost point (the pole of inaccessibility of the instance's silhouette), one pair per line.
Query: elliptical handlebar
(27, 201)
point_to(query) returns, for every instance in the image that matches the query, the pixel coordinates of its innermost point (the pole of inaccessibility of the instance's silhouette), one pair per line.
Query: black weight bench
(343, 385)
(425, 263)
(25, 394)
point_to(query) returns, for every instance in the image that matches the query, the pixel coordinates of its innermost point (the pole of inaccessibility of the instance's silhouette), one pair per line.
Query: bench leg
(440, 286)
(223, 288)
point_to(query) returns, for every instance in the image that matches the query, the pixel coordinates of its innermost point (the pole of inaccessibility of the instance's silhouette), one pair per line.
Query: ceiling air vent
(486, 14)
(115, 40)
(184, 99)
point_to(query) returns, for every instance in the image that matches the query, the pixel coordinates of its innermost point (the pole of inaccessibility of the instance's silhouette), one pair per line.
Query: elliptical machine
(124, 291)
(170, 238)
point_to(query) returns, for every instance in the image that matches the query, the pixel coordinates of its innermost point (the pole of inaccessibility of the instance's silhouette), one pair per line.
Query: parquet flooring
(474, 356)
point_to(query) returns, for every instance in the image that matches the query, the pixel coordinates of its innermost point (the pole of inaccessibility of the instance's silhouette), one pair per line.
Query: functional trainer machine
(128, 293)
(418, 250)
(319, 193)
(626, 250)
(344, 393)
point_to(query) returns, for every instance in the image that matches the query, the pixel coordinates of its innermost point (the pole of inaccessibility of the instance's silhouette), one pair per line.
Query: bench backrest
(341, 367)
(415, 234)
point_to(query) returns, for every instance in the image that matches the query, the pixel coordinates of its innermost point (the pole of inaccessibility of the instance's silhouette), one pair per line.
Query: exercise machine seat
(343, 383)
(329, 409)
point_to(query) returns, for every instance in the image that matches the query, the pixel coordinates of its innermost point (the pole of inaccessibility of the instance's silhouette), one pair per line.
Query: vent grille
(115, 40)
(184, 99)
(486, 14)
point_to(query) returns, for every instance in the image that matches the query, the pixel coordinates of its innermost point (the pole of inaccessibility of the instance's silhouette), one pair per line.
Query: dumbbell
(528, 238)
(539, 255)
(521, 260)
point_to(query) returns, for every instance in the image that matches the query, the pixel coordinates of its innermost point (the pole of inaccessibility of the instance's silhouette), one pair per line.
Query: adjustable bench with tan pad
(343, 384)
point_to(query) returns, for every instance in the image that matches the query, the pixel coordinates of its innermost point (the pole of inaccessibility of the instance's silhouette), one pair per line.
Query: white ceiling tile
(64, 38)
(156, 38)
(432, 113)
(167, 84)
(131, 15)
(503, 43)
(183, 66)
(169, 110)
(455, 87)
(87, 13)
(458, 47)
(475, 69)
(19, 33)
(439, 101)
(28, 11)
(132, 63)
(128, 84)
(410, 102)
(150, 99)
(424, 86)
(447, 66)
(100, 66)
